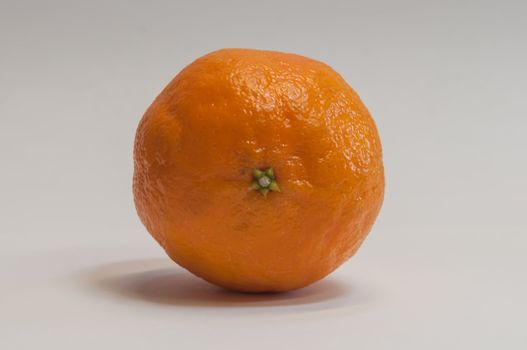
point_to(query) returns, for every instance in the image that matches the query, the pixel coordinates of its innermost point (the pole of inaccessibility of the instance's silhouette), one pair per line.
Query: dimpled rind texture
(234, 110)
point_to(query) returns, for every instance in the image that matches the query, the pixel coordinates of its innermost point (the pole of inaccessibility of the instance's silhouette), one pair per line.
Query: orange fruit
(258, 170)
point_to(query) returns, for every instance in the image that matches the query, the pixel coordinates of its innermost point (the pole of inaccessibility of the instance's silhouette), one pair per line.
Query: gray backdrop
(444, 267)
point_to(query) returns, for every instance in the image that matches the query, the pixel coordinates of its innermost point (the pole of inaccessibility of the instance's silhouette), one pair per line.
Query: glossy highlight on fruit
(258, 171)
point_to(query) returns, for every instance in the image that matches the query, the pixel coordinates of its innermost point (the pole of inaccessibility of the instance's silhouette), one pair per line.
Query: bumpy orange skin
(234, 110)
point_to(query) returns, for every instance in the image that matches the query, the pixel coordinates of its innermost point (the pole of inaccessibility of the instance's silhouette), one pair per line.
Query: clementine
(258, 170)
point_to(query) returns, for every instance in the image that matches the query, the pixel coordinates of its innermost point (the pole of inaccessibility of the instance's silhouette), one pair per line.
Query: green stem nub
(264, 181)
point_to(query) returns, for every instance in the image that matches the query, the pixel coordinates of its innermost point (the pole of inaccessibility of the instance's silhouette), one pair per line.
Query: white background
(444, 267)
